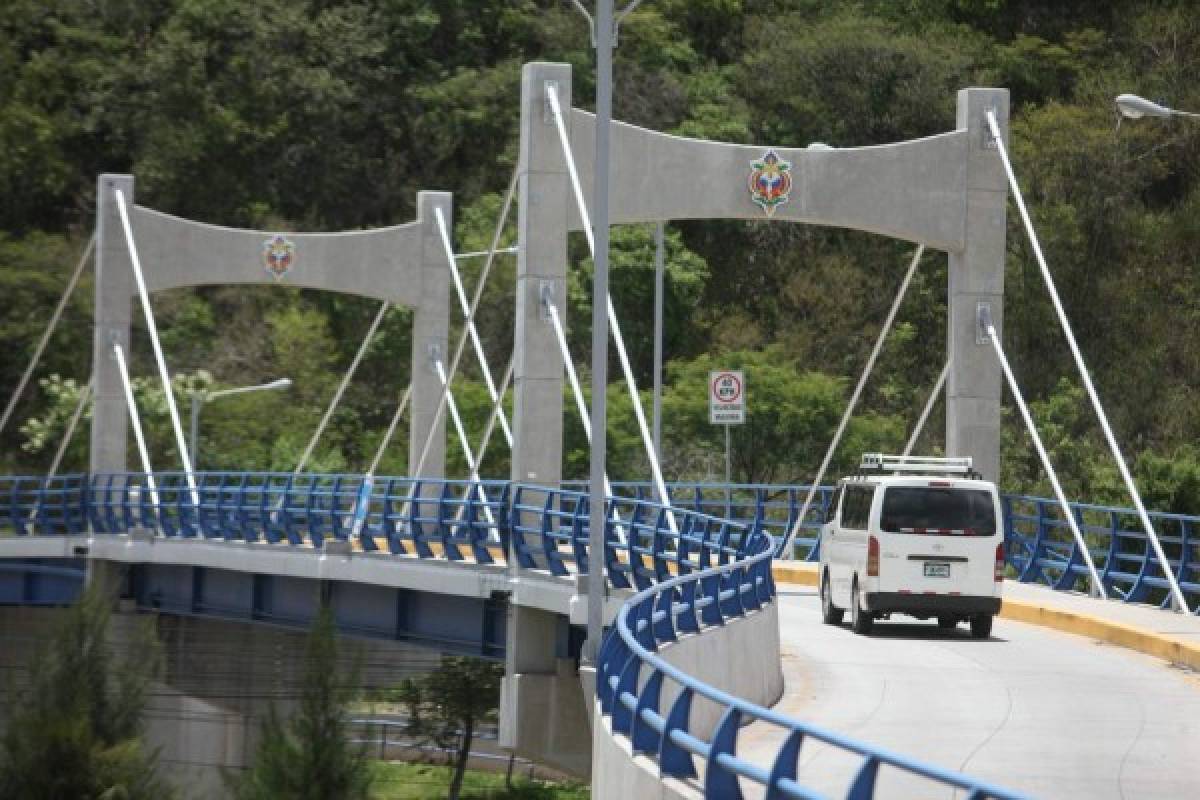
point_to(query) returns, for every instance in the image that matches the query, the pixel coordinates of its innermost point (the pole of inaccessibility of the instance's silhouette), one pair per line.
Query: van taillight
(1000, 561)
(872, 557)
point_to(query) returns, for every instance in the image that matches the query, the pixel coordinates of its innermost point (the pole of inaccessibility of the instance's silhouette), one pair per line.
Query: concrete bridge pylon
(402, 264)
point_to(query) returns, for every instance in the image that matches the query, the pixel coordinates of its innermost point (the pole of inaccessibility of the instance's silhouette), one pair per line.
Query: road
(1051, 714)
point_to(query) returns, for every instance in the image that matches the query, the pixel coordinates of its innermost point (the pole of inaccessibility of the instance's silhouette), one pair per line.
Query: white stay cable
(137, 424)
(497, 233)
(647, 439)
(485, 440)
(391, 431)
(933, 396)
(580, 403)
(862, 381)
(337, 396)
(1165, 564)
(152, 328)
(462, 440)
(470, 323)
(1097, 584)
(50, 327)
(84, 395)
(493, 415)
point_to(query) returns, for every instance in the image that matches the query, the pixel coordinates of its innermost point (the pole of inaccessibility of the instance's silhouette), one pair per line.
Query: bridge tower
(404, 265)
(946, 192)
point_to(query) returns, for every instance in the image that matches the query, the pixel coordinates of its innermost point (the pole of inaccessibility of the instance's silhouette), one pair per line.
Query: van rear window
(922, 509)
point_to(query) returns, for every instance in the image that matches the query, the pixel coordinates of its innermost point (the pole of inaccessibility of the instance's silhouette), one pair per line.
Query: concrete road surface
(1051, 714)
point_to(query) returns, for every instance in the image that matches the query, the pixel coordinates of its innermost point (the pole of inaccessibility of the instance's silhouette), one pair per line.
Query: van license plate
(936, 570)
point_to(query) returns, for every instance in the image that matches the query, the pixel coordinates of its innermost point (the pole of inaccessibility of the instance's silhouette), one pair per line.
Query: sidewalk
(1167, 635)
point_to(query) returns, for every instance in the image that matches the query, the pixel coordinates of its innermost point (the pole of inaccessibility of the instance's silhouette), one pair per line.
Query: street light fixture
(200, 398)
(1134, 107)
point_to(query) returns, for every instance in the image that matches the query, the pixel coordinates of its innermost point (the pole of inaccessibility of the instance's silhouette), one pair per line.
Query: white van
(917, 536)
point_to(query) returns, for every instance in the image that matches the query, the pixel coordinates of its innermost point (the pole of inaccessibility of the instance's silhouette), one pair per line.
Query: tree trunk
(460, 766)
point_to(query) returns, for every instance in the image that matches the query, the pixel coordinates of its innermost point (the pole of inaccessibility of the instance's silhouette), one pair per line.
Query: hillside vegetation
(325, 115)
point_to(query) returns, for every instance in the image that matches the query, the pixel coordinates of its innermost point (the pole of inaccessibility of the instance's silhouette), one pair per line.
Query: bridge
(711, 677)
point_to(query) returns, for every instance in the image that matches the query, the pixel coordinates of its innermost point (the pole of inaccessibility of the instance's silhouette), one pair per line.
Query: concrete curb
(1169, 648)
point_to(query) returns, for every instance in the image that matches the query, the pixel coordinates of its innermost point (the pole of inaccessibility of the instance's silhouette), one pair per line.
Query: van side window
(856, 507)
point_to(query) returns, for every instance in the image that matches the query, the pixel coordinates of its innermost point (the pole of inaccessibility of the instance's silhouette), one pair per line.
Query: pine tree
(446, 707)
(310, 756)
(76, 731)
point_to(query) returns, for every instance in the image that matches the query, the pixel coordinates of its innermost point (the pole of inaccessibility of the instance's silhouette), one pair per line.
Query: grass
(397, 781)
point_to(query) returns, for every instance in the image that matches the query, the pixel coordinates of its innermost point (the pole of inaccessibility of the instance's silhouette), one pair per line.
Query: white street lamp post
(200, 398)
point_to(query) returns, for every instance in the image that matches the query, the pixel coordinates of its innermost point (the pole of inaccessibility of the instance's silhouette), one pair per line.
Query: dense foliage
(327, 114)
(310, 755)
(75, 730)
(446, 707)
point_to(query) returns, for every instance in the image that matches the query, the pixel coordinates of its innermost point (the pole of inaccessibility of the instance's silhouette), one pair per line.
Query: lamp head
(1134, 107)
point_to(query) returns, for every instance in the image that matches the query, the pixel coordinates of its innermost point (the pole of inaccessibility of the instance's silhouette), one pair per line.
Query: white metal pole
(659, 270)
(50, 328)
(469, 320)
(862, 381)
(613, 323)
(337, 396)
(933, 396)
(1176, 592)
(152, 328)
(597, 518)
(1097, 584)
(137, 424)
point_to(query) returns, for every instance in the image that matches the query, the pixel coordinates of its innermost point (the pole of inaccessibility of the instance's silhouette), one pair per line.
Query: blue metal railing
(454, 520)
(40, 505)
(772, 507)
(631, 676)
(1041, 548)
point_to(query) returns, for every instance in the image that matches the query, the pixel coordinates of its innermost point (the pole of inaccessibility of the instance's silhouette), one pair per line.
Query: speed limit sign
(726, 397)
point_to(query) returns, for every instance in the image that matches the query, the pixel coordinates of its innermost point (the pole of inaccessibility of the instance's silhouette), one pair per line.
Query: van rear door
(943, 537)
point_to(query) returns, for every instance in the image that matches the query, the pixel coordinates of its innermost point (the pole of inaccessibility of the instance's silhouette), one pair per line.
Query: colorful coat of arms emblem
(770, 181)
(278, 255)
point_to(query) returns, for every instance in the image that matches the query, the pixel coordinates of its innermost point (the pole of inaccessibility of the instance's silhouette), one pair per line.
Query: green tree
(76, 729)
(446, 707)
(310, 756)
(790, 420)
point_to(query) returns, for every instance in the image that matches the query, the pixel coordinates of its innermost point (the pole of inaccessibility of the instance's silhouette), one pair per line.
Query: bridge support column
(976, 276)
(543, 711)
(544, 201)
(431, 321)
(113, 307)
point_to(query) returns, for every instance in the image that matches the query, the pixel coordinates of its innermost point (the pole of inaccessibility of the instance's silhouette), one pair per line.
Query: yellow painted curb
(790, 572)
(1177, 651)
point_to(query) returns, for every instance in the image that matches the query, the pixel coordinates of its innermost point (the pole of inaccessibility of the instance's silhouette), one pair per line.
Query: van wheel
(861, 621)
(830, 614)
(947, 623)
(981, 626)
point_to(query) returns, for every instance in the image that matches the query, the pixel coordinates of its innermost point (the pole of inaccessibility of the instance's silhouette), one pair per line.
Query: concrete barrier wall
(741, 658)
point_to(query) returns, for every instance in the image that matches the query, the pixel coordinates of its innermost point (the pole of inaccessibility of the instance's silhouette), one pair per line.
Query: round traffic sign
(726, 387)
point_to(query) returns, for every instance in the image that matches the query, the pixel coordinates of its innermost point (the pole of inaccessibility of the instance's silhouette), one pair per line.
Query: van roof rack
(922, 465)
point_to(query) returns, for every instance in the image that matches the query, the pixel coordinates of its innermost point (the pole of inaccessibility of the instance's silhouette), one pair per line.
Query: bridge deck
(1037, 710)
